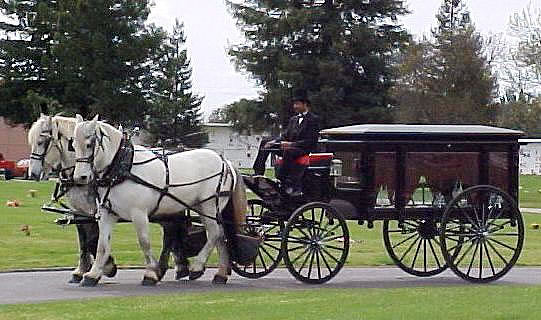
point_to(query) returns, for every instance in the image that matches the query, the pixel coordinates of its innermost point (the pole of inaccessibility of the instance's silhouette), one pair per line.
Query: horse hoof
(161, 273)
(75, 278)
(219, 279)
(183, 274)
(111, 273)
(89, 282)
(149, 282)
(194, 275)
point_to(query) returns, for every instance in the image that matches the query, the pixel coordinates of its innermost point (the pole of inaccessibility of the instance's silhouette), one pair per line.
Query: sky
(210, 30)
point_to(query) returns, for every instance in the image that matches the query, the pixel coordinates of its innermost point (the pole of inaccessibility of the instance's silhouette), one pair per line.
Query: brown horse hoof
(75, 278)
(89, 282)
(149, 281)
(219, 279)
(196, 274)
(183, 274)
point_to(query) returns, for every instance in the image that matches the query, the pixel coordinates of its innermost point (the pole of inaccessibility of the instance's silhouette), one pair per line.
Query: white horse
(199, 179)
(49, 148)
(50, 139)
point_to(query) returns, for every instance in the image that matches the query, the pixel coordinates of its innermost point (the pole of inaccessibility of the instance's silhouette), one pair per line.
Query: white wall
(240, 149)
(530, 158)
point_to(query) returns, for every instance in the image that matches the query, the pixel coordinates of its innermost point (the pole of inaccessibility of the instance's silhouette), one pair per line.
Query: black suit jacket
(304, 135)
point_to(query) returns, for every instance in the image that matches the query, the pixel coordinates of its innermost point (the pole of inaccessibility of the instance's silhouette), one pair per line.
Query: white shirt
(301, 116)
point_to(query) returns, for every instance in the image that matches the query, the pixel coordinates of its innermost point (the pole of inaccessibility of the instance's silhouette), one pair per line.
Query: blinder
(41, 157)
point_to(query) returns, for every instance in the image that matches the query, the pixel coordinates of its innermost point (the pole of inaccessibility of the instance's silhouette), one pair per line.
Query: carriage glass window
(498, 170)
(351, 170)
(434, 178)
(385, 178)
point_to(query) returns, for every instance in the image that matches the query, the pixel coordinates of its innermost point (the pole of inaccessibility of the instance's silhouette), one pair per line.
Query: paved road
(26, 287)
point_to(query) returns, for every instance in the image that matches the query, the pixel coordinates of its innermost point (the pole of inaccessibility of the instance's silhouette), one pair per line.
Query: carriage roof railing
(418, 132)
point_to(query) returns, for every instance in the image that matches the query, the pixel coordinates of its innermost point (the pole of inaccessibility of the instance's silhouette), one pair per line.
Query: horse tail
(238, 201)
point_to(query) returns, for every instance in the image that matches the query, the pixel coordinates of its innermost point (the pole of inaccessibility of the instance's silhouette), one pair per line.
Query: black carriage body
(401, 160)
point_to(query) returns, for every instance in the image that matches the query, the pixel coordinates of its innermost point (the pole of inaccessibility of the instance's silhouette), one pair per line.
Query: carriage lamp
(336, 168)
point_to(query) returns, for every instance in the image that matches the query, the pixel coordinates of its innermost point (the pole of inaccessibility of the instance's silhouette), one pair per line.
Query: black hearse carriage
(447, 196)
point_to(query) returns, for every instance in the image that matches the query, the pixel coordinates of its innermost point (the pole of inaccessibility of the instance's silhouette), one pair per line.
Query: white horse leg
(140, 220)
(103, 252)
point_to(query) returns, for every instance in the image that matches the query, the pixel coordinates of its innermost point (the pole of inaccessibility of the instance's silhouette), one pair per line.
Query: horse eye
(40, 143)
(88, 145)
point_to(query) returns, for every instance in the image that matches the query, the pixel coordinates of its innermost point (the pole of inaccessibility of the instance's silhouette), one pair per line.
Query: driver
(300, 138)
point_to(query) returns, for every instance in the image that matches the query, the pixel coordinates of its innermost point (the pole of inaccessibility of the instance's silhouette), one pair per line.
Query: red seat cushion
(310, 159)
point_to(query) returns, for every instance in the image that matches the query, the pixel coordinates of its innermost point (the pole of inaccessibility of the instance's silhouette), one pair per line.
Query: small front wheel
(315, 243)
(269, 231)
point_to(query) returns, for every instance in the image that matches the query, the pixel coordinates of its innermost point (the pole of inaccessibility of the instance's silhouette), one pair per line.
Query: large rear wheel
(485, 225)
(414, 246)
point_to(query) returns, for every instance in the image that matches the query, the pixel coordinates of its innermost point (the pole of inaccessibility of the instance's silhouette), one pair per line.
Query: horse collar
(119, 169)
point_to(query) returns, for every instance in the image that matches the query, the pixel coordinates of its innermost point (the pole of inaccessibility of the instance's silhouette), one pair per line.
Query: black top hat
(300, 95)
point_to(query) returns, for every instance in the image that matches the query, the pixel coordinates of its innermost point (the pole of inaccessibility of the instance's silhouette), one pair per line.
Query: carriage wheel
(269, 254)
(315, 243)
(414, 246)
(492, 231)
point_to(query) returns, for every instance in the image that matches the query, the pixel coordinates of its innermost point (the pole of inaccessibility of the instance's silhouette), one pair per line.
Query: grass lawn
(460, 302)
(49, 245)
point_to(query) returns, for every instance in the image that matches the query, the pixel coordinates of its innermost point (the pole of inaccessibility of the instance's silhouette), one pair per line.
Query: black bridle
(48, 134)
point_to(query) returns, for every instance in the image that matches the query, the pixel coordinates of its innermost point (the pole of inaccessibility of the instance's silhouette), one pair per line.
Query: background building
(13, 144)
(239, 149)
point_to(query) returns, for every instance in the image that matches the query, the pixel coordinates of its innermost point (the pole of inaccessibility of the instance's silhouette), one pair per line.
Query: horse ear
(79, 118)
(95, 118)
(41, 114)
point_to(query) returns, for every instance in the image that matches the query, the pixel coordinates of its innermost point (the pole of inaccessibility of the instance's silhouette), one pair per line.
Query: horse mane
(34, 131)
(65, 124)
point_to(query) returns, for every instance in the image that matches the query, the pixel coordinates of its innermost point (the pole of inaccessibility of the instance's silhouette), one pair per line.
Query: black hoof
(219, 279)
(112, 272)
(183, 274)
(89, 282)
(75, 278)
(196, 274)
(149, 282)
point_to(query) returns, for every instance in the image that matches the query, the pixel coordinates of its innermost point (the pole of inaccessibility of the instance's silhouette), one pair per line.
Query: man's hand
(286, 145)
(269, 144)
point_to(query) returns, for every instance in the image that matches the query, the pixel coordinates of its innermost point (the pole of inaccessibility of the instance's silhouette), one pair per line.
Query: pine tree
(336, 49)
(85, 56)
(25, 49)
(175, 117)
(454, 82)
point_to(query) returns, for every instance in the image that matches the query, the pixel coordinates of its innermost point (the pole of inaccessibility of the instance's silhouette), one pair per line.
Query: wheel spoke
(329, 254)
(464, 254)
(262, 260)
(318, 264)
(489, 259)
(408, 238)
(434, 254)
(502, 244)
(473, 257)
(300, 255)
(325, 261)
(416, 252)
(497, 252)
(409, 248)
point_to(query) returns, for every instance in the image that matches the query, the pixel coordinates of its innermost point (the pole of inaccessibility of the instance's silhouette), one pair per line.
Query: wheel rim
(414, 246)
(492, 231)
(269, 252)
(316, 243)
